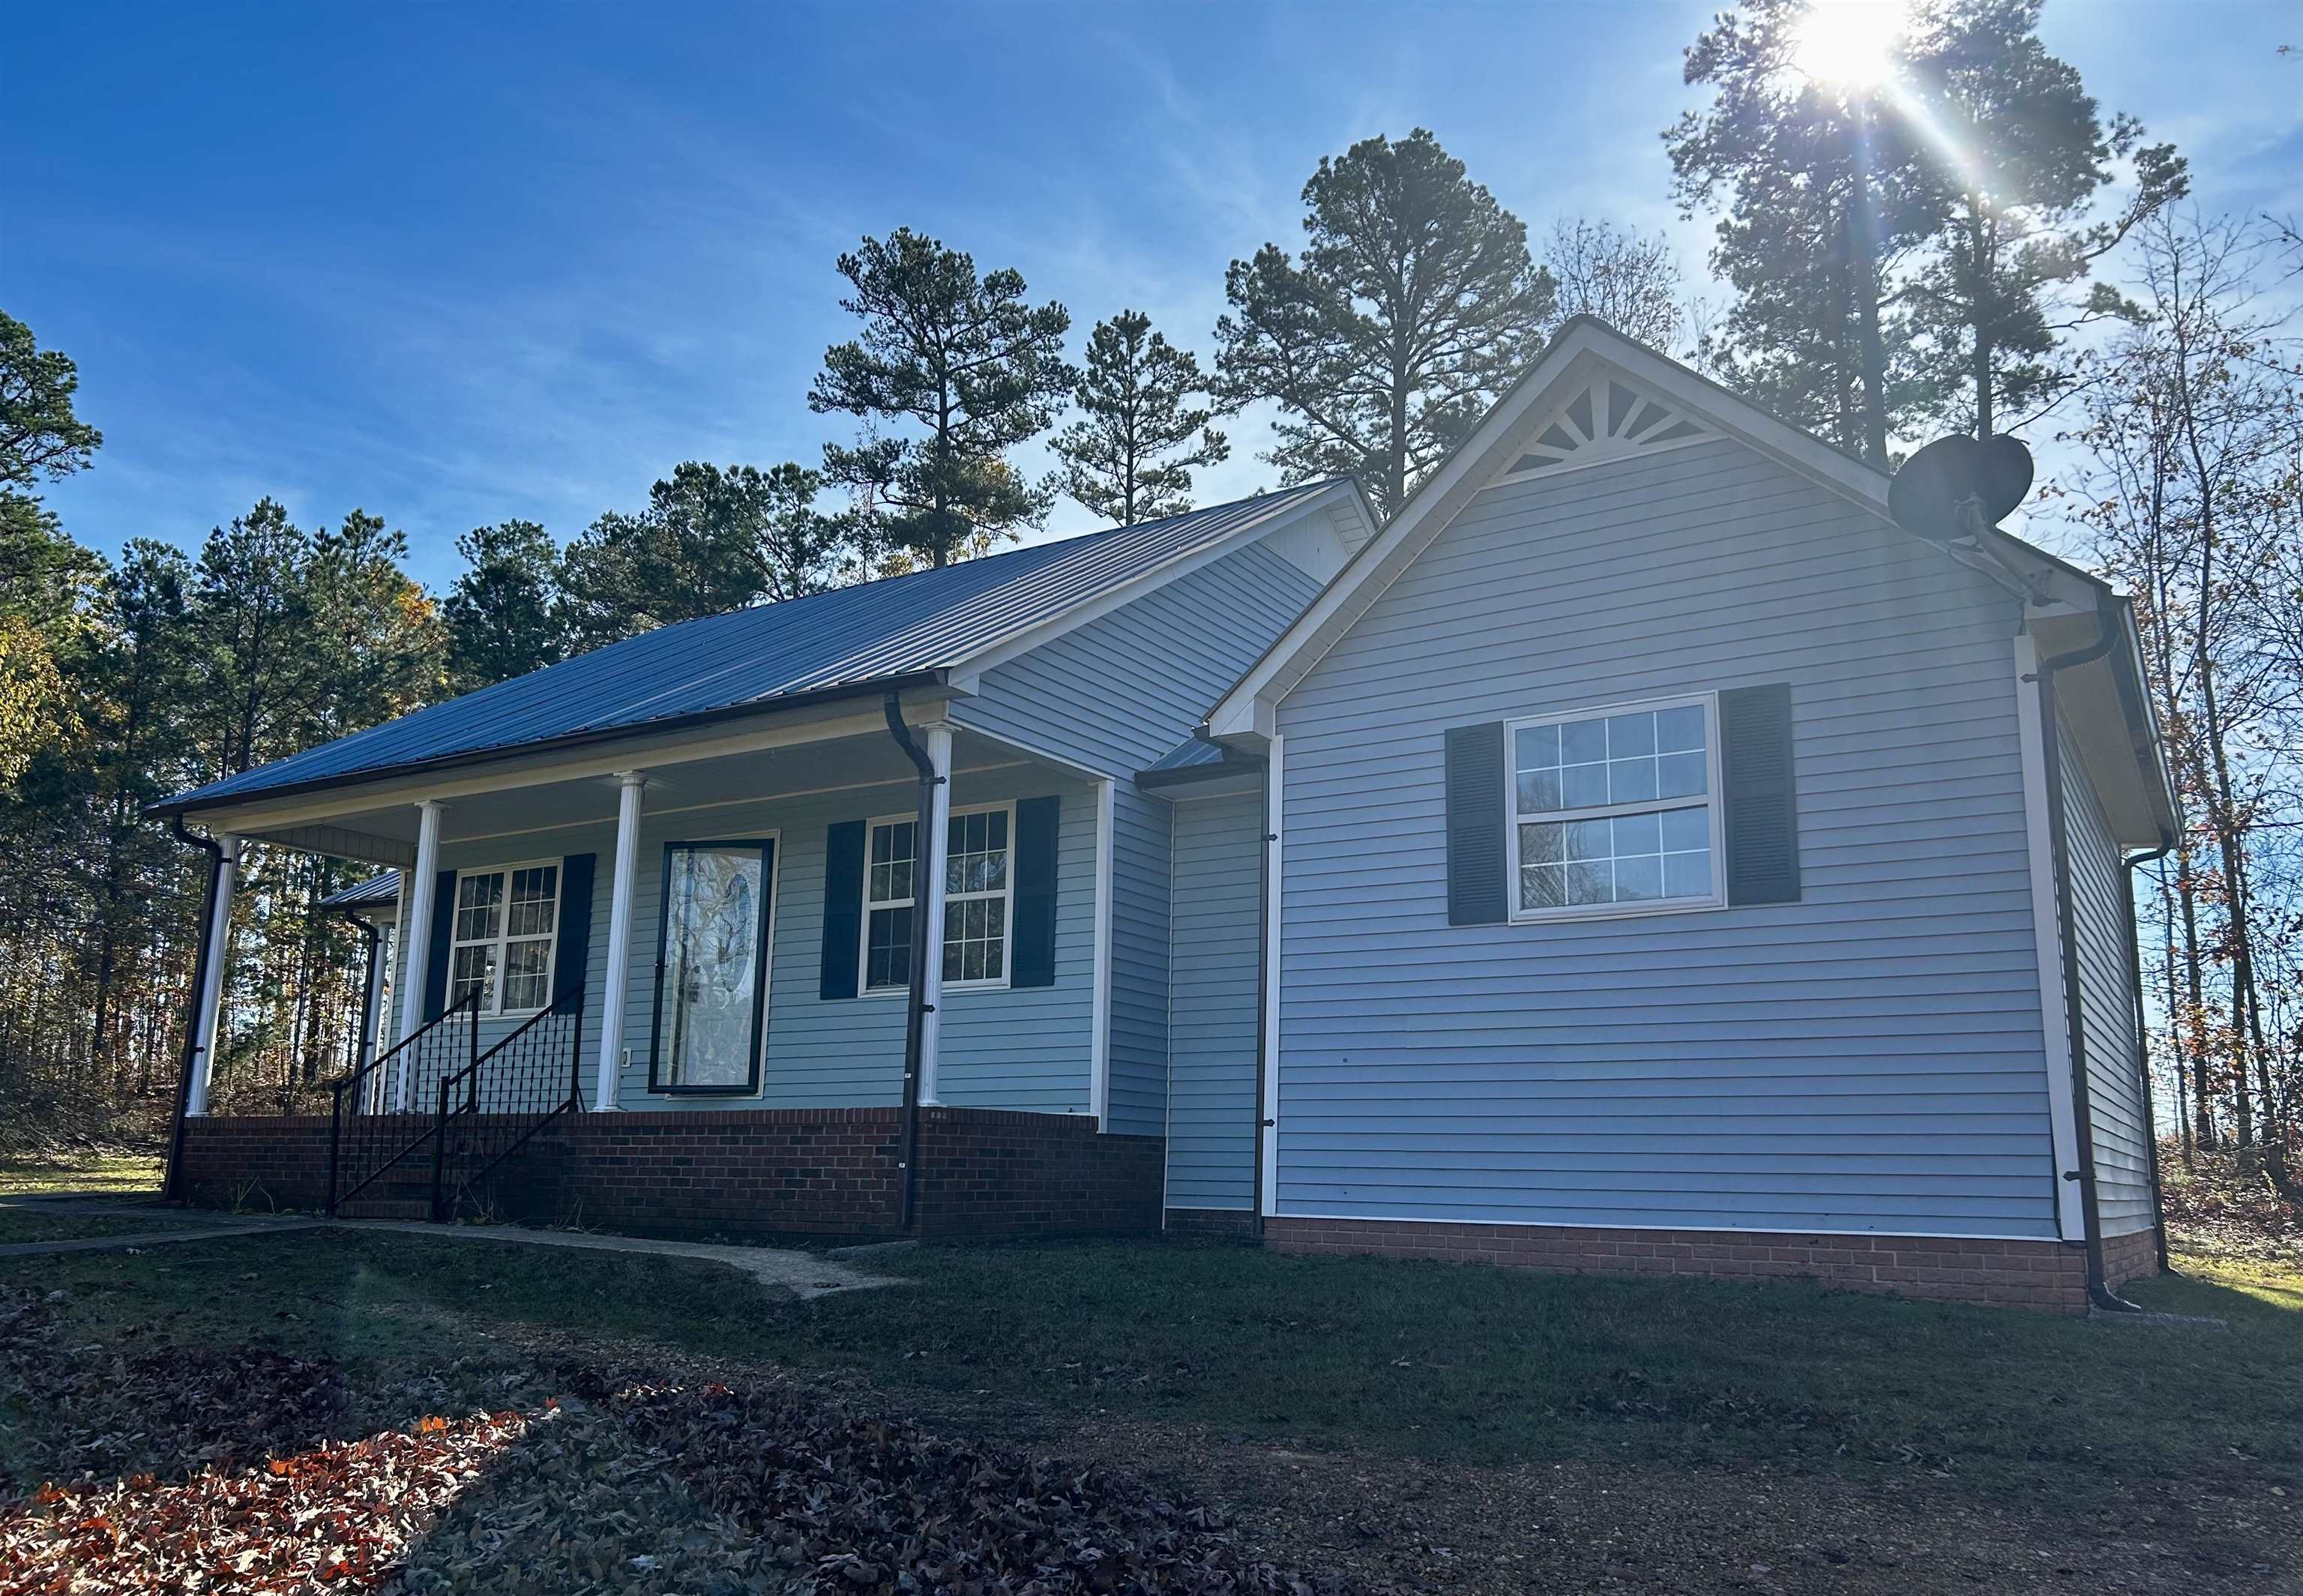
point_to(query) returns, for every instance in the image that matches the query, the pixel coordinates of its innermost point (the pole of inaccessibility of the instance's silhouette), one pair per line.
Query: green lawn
(32, 1224)
(1468, 1365)
(110, 1172)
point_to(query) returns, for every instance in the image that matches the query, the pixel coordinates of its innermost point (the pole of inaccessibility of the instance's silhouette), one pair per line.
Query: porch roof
(769, 655)
(373, 893)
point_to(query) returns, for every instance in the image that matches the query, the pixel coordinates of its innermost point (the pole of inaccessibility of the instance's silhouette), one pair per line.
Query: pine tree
(1803, 172)
(2019, 237)
(506, 613)
(1130, 456)
(965, 359)
(713, 539)
(1413, 306)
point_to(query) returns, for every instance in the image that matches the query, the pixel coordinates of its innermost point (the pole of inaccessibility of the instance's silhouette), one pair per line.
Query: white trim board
(2054, 1019)
(1274, 814)
(1099, 1043)
(1584, 351)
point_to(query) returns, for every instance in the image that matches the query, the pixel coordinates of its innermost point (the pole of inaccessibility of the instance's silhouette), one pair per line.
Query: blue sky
(452, 264)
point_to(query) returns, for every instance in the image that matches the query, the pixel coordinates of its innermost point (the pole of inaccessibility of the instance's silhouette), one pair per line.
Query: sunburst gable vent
(1607, 420)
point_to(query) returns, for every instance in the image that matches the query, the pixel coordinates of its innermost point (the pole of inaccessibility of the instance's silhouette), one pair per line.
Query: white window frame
(1008, 910)
(503, 938)
(1712, 801)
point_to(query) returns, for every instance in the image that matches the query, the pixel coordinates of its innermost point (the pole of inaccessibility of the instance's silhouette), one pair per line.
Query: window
(1614, 812)
(505, 924)
(977, 899)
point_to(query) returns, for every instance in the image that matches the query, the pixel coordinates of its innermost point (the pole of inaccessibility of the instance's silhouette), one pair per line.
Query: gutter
(916, 1015)
(2143, 1047)
(2107, 611)
(172, 1183)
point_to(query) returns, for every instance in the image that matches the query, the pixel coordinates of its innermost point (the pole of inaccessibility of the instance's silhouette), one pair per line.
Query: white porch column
(211, 1011)
(416, 937)
(937, 848)
(616, 977)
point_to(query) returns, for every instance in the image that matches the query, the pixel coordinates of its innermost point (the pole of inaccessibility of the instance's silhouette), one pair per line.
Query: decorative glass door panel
(712, 966)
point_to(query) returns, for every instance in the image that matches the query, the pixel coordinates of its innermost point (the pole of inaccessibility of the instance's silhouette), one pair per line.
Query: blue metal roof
(371, 894)
(847, 638)
(1185, 756)
(1194, 760)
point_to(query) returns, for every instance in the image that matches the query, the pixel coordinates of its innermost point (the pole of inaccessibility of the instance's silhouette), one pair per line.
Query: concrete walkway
(803, 1274)
(151, 1239)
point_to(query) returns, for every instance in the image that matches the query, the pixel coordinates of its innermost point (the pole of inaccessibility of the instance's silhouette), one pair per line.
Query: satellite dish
(1952, 489)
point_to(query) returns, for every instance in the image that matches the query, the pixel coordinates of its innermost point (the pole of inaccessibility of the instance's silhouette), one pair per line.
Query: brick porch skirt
(983, 1173)
(2029, 1274)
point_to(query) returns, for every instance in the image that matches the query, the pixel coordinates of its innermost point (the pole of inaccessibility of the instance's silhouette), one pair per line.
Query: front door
(711, 968)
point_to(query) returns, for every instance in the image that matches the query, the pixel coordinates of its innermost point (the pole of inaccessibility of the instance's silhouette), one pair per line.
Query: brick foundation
(756, 1173)
(1211, 1222)
(2129, 1257)
(262, 1163)
(2026, 1274)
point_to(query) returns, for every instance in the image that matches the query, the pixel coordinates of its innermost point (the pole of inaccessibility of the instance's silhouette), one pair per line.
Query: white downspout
(615, 979)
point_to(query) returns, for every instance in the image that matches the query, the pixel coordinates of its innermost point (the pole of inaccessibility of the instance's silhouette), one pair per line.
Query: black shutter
(843, 907)
(573, 951)
(435, 960)
(1475, 825)
(1759, 794)
(1032, 962)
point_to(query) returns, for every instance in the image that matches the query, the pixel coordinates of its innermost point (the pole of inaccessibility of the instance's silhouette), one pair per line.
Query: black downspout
(2143, 1047)
(924, 866)
(368, 984)
(2074, 1009)
(172, 1183)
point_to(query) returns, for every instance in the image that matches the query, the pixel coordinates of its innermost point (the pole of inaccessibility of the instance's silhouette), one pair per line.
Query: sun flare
(1849, 43)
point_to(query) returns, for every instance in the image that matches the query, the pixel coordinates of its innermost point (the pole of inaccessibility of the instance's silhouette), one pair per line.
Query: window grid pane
(478, 897)
(888, 947)
(890, 878)
(1632, 858)
(473, 969)
(526, 965)
(1599, 761)
(534, 895)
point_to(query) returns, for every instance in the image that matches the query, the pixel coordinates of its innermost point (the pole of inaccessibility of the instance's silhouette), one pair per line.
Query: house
(1639, 855)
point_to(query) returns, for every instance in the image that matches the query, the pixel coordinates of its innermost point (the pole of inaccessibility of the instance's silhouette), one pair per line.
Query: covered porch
(679, 983)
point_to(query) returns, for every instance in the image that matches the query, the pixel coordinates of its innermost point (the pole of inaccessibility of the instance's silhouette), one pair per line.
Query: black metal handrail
(497, 1103)
(365, 1140)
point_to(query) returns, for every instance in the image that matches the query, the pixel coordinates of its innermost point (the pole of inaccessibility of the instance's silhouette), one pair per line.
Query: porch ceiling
(386, 833)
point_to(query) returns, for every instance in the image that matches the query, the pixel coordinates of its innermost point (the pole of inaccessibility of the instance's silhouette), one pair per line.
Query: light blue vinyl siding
(539, 847)
(1012, 1048)
(1869, 1058)
(1211, 1011)
(1015, 1048)
(2123, 1167)
(1115, 694)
